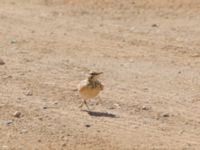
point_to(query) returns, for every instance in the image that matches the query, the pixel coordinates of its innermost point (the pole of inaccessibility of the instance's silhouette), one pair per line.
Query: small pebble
(40, 118)
(114, 106)
(45, 107)
(6, 122)
(154, 25)
(145, 89)
(117, 105)
(28, 93)
(145, 108)
(165, 114)
(23, 131)
(2, 62)
(17, 114)
(87, 125)
(13, 41)
(55, 103)
(9, 122)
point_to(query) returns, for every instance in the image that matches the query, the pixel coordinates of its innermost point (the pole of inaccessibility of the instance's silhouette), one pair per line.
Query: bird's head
(94, 75)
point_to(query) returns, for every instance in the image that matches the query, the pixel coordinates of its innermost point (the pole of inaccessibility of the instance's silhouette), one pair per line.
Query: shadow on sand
(100, 114)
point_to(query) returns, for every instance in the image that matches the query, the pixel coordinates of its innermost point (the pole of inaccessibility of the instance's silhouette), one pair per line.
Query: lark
(90, 87)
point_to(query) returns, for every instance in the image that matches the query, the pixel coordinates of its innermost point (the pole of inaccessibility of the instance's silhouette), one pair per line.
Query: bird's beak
(99, 73)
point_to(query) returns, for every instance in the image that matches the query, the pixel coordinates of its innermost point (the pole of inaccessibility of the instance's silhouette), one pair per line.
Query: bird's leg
(86, 104)
(99, 101)
(81, 105)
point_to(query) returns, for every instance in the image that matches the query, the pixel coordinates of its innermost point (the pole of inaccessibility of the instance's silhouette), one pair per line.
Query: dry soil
(149, 51)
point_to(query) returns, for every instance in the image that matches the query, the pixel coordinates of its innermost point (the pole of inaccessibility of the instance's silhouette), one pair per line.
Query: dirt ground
(149, 51)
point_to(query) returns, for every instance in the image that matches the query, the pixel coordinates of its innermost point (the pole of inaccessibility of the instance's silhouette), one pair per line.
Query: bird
(90, 87)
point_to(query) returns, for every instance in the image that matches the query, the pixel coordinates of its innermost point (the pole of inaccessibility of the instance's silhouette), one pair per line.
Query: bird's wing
(82, 84)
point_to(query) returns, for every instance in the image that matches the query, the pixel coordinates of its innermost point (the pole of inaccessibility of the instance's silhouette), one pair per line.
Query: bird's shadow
(100, 114)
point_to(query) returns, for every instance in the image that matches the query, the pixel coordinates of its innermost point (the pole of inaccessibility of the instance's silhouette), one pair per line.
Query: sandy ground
(149, 51)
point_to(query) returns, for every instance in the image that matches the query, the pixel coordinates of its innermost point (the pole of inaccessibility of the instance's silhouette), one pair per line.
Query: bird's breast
(87, 92)
(90, 90)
